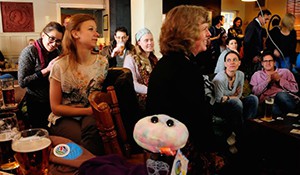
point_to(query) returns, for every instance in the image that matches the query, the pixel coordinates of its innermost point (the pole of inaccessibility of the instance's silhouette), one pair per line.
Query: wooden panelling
(11, 44)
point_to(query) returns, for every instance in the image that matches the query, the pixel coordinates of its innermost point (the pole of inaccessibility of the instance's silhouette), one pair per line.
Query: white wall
(147, 13)
(44, 11)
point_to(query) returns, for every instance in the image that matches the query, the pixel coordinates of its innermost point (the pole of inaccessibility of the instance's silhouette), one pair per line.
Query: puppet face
(160, 132)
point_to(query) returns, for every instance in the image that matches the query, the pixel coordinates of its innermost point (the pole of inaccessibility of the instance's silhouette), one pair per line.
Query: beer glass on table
(269, 102)
(8, 129)
(32, 150)
(8, 92)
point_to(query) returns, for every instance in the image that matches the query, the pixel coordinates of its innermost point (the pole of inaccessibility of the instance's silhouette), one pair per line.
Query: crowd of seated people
(169, 85)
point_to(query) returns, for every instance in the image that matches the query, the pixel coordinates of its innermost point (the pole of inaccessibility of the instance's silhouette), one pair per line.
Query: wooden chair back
(109, 121)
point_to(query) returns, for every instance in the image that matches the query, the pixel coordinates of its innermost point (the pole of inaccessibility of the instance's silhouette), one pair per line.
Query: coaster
(61, 150)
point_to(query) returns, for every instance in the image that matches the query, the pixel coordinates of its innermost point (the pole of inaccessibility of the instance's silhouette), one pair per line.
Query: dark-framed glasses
(52, 39)
(267, 61)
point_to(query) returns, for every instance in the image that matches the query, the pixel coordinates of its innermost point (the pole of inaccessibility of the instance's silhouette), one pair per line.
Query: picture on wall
(17, 16)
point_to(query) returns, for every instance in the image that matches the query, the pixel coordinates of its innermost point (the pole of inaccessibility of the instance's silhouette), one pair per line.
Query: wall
(44, 11)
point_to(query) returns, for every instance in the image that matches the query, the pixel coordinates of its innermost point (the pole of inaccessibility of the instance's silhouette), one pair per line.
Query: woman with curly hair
(141, 62)
(176, 84)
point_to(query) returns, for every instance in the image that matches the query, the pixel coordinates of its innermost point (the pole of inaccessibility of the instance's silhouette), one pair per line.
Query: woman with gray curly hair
(176, 84)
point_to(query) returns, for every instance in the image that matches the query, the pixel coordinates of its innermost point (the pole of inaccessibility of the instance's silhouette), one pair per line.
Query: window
(229, 17)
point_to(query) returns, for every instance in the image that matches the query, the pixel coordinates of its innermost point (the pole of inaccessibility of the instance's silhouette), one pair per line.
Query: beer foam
(30, 144)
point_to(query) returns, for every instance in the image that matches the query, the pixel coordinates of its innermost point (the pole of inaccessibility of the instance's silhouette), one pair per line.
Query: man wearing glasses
(277, 83)
(35, 63)
(119, 48)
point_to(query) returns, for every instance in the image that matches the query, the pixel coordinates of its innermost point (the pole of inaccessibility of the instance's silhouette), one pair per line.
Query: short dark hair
(267, 52)
(234, 52)
(264, 12)
(121, 29)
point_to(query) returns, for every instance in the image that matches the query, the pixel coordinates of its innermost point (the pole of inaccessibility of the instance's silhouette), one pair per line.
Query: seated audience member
(231, 44)
(275, 82)
(112, 51)
(31, 41)
(2, 66)
(35, 63)
(141, 62)
(230, 105)
(176, 84)
(72, 79)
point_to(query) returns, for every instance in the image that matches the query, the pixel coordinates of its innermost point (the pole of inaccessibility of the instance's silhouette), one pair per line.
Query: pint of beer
(8, 91)
(121, 46)
(268, 108)
(32, 150)
(8, 129)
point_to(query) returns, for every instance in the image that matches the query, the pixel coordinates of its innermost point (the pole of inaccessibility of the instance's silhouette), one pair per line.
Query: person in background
(230, 105)
(223, 42)
(112, 51)
(235, 31)
(176, 84)
(66, 20)
(231, 44)
(72, 79)
(141, 63)
(31, 41)
(217, 31)
(253, 43)
(278, 83)
(285, 54)
(35, 63)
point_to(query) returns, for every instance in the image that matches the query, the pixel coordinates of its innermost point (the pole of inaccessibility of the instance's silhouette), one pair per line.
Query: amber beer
(8, 163)
(8, 92)
(32, 153)
(121, 48)
(8, 128)
(268, 108)
(8, 96)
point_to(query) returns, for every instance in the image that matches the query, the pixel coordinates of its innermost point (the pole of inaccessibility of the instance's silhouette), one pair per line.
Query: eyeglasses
(52, 40)
(267, 61)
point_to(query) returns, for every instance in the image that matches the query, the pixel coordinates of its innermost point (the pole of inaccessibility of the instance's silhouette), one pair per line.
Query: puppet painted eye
(170, 123)
(154, 119)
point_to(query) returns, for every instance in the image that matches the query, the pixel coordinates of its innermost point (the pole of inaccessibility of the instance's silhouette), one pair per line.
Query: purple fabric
(111, 165)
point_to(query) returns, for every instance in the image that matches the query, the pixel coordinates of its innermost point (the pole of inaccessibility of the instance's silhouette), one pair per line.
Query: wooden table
(272, 145)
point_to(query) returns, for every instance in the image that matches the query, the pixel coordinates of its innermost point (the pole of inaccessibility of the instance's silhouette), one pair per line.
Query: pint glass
(8, 128)
(268, 108)
(32, 150)
(8, 91)
(121, 46)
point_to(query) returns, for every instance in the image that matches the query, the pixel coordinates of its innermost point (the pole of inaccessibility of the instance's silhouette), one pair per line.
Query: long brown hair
(68, 42)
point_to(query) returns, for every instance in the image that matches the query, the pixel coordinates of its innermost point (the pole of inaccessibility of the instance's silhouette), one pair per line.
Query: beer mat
(292, 115)
(267, 120)
(295, 131)
(13, 106)
(5, 173)
(257, 120)
(75, 151)
(61, 150)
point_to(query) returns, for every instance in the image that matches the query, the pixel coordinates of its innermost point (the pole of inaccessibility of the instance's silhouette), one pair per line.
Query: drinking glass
(32, 150)
(121, 46)
(269, 102)
(8, 129)
(8, 92)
